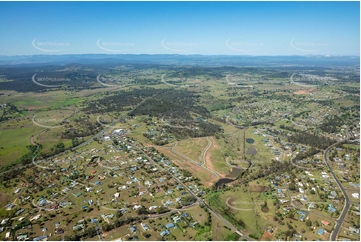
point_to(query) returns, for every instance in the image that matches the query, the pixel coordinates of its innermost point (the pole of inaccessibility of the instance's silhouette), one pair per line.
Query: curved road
(172, 149)
(346, 207)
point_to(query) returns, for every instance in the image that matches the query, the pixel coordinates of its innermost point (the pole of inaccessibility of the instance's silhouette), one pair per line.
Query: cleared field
(215, 159)
(221, 233)
(13, 142)
(192, 148)
(204, 176)
(264, 154)
(246, 208)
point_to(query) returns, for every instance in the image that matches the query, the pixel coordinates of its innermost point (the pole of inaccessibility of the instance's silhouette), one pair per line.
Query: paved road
(346, 207)
(205, 151)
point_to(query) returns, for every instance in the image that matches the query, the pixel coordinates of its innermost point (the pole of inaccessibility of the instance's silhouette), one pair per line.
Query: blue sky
(208, 28)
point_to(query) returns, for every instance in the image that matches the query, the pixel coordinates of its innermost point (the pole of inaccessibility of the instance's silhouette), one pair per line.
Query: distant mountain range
(204, 60)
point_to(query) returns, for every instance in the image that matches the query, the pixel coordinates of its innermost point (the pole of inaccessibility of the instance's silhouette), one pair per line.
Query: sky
(207, 28)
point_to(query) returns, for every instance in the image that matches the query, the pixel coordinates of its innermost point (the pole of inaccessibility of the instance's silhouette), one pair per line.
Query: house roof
(170, 225)
(325, 222)
(165, 232)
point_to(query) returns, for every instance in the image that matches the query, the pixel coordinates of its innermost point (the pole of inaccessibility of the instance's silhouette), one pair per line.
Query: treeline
(290, 128)
(121, 101)
(174, 104)
(202, 129)
(21, 78)
(312, 140)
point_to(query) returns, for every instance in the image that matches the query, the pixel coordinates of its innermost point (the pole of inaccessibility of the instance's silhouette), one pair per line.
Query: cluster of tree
(312, 140)
(303, 114)
(350, 89)
(290, 128)
(331, 123)
(274, 168)
(311, 152)
(174, 104)
(8, 109)
(121, 101)
(83, 127)
(203, 129)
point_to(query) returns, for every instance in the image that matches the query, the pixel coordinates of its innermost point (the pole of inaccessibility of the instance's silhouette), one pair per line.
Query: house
(176, 219)
(42, 202)
(78, 194)
(35, 217)
(353, 230)
(4, 221)
(119, 131)
(302, 215)
(152, 208)
(325, 223)
(167, 203)
(331, 208)
(193, 224)
(170, 225)
(137, 207)
(145, 227)
(41, 238)
(78, 227)
(133, 229)
(163, 233)
(355, 195)
(311, 205)
(19, 211)
(320, 231)
(9, 206)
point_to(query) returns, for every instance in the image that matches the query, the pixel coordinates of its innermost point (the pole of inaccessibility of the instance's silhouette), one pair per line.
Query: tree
(142, 210)
(292, 187)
